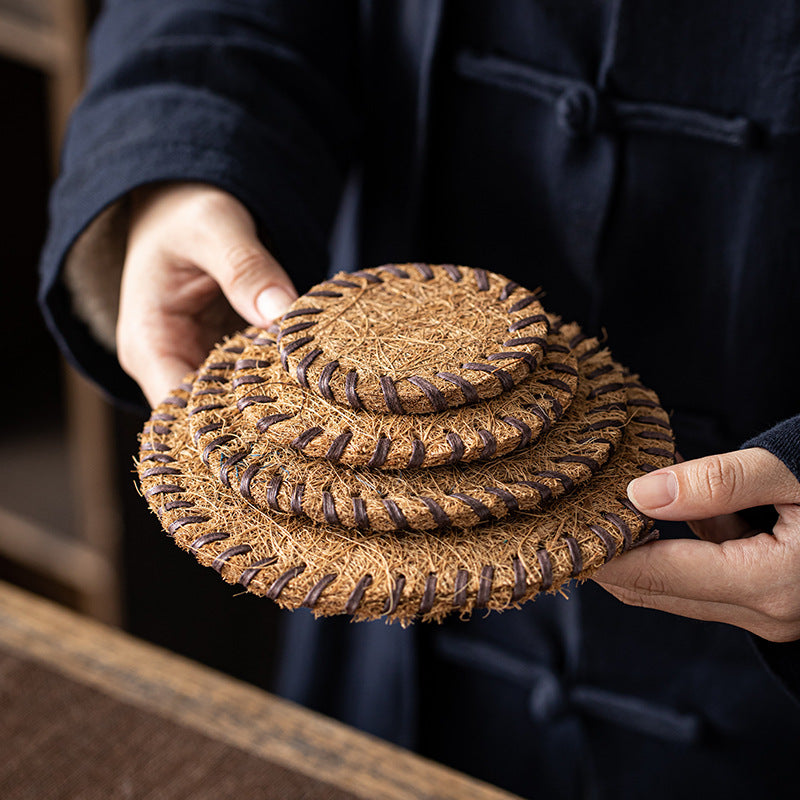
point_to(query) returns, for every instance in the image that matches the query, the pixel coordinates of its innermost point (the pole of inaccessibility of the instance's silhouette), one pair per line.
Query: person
(640, 162)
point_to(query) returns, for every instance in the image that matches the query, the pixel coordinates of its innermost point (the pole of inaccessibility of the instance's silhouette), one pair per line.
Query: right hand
(194, 271)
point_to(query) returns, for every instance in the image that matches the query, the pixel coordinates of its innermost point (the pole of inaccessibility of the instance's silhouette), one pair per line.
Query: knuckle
(718, 479)
(649, 582)
(204, 203)
(648, 578)
(777, 632)
(781, 608)
(125, 349)
(244, 263)
(128, 360)
(125, 360)
(626, 595)
(134, 340)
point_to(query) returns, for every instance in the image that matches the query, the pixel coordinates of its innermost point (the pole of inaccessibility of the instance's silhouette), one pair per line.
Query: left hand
(194, 270)
(730, 575)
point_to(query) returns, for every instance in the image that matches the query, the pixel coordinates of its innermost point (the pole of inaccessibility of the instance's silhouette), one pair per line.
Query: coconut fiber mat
(407, 441)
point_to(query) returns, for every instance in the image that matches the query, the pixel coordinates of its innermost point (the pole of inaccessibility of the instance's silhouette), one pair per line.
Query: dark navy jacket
(638, 159)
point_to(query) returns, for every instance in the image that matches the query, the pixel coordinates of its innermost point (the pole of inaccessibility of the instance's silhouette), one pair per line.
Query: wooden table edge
(224, 708)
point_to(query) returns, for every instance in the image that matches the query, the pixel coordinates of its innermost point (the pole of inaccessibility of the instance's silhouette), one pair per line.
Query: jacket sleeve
(782, 659)
(256, 97)
(783, 441)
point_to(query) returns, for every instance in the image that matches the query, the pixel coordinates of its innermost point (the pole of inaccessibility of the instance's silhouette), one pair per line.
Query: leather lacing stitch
(383, 444)
(275, 589)
(439, 516)
(388, 387)
(616, 532)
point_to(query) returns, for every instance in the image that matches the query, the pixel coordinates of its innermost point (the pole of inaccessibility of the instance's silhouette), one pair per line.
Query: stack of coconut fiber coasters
(408, 441)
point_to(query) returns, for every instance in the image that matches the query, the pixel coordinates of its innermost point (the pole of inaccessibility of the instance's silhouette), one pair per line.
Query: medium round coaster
(412, 338)
(288, 416)
(282, 480)
(414, 576)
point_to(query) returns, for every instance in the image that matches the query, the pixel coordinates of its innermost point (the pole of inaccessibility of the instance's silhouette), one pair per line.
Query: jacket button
(576, 110)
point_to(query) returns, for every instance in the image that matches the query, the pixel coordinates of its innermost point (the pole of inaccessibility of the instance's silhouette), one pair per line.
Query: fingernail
(273, 302)
(653, 491)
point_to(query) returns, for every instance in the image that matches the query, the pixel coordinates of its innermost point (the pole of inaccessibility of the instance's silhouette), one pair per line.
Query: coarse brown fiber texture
(283, 479)
(412, 338)
(405, 515)
(517, 417)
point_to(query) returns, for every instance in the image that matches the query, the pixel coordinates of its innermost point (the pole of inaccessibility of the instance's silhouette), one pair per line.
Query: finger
(740, 572)
(156, 346)
(253, 281)
(706, 610)
(714, 485)
(747, 582)
(787, 529)
(721, 528)
(163, 378)
(159, 354)
(685, 568)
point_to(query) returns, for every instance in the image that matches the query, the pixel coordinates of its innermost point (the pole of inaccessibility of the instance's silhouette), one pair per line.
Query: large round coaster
(412, 339)
(289, 416)
(282, 480)
(414, 576)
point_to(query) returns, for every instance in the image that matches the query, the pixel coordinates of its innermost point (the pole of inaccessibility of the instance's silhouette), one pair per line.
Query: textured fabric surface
(62, 741)
(783, 441)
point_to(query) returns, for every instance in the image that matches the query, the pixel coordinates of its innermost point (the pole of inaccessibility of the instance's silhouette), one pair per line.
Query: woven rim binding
(288, 416)
(284, 481)
(416, 576)
(387, 340)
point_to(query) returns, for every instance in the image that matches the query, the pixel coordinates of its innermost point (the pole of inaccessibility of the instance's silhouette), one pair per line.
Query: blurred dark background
(72, 526)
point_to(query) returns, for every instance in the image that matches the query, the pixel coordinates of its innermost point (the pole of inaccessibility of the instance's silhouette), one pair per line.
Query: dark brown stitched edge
(237, 550)
(390, 396)
(274, 591)
(546, 568)
(484, 586)
(520, 580)
(393, 600)
(357, 595)
(460, 588)
(316, 590)
(575, 554)
(429, 594)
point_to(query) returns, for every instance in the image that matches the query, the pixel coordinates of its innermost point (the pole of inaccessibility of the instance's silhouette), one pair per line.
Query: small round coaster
(288, 416)
(416, 575)
(412, 338)
(282, 480)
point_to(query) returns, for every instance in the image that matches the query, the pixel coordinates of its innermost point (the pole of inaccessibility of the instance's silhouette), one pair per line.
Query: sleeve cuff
(783, 441)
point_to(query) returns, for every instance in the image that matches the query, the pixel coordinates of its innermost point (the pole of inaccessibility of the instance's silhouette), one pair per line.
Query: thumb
(719, 484)
(253, 281)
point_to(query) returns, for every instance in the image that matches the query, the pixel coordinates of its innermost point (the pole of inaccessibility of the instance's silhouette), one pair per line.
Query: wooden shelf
(58, 509)
(36, 483)
(65, 560)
